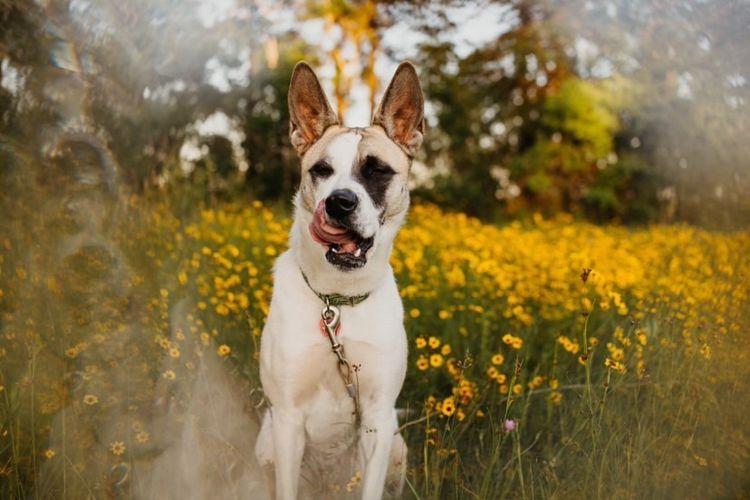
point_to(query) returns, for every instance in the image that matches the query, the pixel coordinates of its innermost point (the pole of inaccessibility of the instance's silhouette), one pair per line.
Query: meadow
(548, 358)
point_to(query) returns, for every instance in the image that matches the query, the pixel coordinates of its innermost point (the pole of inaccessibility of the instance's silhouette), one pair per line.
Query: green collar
(335, 299)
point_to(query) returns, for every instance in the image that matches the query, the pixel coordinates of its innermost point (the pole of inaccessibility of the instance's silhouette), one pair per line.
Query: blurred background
(624, 111)
(146, 179)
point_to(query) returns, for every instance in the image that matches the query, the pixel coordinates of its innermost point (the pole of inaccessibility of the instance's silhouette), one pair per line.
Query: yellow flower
(423, 363)
(535, 382)
(615, 365)
(555, 397)
(174, 352)
(224, 350)
(421, 342)
(446, 350)
(49, 453)
(414, 313)
(448, 406)
(434, 342)
(497, 359)
(142, 437)
(90, 399)
(513, 341)
(706, 351)
(117, 448)
(517, 389)
(436, 360)
(169, 375)
(443, 314)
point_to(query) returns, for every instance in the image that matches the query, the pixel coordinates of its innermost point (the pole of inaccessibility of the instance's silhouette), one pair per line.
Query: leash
(330, 317)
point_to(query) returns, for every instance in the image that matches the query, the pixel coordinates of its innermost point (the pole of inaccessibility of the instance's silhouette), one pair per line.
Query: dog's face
(354, 180)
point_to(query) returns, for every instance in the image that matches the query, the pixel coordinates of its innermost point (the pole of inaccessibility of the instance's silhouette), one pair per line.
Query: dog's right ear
(309, 112)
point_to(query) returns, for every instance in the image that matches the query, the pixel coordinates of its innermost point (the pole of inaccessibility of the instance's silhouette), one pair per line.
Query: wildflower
(513, 341)
(555, 397)
(705, 351)
(615, 365)
(517, 389)
(174, 352)
(117, 448)
(223, 350)
(142, 437)
(414, 313)
(587, 305)
(497, 359)
(448, 406)
(446, 350)
(443, 314)
(436, 360)
(49, 453)
(430, 402)
(434, 342)
(90, 399)
(510, 425)
(535, 382)
(169, 375)
(420, 342)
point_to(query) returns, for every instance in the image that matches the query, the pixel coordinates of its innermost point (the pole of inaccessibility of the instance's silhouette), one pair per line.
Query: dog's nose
(341, 203)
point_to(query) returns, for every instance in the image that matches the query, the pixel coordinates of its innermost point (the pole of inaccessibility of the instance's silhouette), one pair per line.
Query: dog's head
(354, 180)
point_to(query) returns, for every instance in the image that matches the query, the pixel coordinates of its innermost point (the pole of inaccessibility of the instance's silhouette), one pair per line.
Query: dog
(334, 349)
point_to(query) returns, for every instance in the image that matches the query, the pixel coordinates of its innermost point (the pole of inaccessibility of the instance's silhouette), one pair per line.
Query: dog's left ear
(401, 112)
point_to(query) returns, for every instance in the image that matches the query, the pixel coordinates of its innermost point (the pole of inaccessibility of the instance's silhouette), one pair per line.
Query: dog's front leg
(288, 446)
(377, 431)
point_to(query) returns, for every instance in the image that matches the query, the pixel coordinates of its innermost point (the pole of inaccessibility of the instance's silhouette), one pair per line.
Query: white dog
(334, 349)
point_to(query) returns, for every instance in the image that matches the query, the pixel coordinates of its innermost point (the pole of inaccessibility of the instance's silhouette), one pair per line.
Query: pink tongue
(326, 234)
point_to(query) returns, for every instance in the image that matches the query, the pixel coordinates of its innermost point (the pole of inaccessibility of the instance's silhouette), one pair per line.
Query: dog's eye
(321, 170)
(373, 168)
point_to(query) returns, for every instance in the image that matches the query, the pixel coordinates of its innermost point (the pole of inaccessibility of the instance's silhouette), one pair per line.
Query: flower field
(547, 358)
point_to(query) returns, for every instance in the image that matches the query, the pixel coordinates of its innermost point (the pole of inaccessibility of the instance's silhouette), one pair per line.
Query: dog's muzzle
(347, 249)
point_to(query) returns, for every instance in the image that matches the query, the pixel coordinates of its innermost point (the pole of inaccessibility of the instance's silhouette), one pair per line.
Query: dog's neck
(325, 278)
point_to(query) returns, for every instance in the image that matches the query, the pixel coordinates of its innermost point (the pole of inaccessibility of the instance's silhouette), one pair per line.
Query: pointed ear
(309, 112)
(401, 112)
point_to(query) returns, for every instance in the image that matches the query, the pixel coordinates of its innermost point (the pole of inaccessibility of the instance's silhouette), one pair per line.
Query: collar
(335, 299)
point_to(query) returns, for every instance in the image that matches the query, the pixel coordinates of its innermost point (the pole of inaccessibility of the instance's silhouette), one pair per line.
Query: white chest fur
(297, 365)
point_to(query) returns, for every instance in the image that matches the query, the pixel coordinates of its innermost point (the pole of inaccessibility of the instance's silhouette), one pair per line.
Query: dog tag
(324, 327)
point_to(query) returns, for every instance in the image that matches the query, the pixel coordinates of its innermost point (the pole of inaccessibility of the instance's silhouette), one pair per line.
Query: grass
(551, 359)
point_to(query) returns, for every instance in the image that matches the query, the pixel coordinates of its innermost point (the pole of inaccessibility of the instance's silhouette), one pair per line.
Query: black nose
(341, 203)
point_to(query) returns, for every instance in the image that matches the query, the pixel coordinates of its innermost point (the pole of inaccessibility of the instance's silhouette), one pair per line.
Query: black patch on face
(320, 170)
(375, 176)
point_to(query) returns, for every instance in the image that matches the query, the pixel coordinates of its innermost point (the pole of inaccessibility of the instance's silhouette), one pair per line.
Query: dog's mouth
(347, 249)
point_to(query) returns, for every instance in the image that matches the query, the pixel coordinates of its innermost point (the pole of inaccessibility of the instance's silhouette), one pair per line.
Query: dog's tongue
(326, 234)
